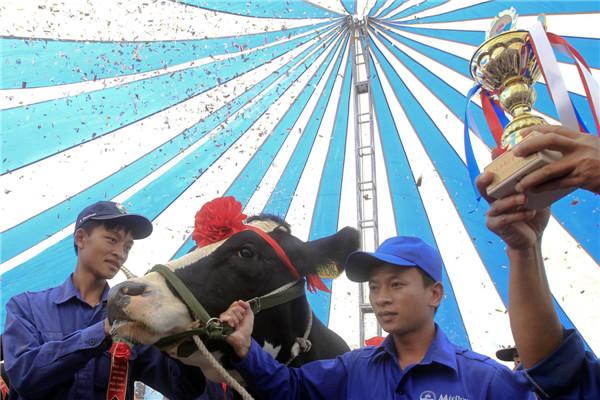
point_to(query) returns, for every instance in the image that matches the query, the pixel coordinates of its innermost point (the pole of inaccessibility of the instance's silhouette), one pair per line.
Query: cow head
(243, 265)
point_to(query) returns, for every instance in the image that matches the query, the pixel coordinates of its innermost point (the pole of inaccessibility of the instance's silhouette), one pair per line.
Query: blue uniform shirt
(569, 372)
(446, 372)
(55, 348)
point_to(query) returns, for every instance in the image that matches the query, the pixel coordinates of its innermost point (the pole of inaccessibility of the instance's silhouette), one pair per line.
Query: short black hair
(109, 225)
(427, 279)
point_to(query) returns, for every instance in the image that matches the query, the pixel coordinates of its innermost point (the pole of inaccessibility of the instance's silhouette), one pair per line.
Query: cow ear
(331, 251)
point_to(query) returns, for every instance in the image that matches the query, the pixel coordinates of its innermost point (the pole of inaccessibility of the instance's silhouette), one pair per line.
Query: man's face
(399, 299)
(103, 251)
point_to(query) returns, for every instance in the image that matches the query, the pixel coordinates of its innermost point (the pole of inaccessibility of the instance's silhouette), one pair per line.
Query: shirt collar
(440, 351)
(68, 291)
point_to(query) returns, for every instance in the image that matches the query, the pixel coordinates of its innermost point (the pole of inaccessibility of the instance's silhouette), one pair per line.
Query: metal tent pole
(366, 187)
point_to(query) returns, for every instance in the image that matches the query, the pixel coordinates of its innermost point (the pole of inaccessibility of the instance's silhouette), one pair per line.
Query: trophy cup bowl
(505, 66)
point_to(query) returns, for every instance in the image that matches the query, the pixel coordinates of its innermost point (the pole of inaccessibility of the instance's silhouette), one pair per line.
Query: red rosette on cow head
(217, 220)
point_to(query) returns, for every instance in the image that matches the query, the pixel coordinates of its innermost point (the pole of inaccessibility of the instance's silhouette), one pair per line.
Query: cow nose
(133, 288)
(119, 298)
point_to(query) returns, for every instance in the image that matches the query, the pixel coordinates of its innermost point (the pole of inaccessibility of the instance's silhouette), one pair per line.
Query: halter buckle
(215, 325)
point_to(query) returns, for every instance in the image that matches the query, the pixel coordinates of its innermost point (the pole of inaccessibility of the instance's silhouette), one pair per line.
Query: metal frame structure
(366, 185)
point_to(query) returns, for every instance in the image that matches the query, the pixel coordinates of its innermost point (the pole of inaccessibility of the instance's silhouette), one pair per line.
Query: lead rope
(230, 380)
(302, 344)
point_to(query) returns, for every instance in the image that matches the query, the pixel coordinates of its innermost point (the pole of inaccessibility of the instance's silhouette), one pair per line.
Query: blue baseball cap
(400, 250)
(140, 226)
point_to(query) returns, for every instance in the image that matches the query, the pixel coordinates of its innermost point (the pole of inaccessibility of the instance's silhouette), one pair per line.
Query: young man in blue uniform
(554, 361)
(415, 361)
(57, 341)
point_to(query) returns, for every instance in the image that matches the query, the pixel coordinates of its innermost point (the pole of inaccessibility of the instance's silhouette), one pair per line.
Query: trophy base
(509, 169)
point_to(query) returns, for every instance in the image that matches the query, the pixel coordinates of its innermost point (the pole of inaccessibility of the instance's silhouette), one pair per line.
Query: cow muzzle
(143, 310)
(119, 299)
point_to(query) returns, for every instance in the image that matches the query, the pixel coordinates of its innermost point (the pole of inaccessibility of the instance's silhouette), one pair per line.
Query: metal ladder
(366, 187)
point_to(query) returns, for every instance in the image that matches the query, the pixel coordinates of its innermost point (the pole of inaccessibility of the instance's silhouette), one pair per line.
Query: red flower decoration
(217, 220)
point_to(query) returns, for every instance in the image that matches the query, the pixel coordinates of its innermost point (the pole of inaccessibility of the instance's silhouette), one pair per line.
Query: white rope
(281, 289)
(127, 272)
(230, 380)
(302, 344)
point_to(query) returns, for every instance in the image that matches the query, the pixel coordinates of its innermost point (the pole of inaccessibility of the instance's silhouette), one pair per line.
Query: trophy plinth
(505, 66)
(509, 169)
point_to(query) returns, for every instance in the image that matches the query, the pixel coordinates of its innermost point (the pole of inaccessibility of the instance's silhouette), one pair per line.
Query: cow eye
(245, 252)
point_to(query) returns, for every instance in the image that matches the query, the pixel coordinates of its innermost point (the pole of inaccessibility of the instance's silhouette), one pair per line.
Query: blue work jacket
(55, 348)
(569, 372)
(447, 372)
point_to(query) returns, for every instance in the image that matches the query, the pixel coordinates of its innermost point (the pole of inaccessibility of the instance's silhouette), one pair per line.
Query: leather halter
(211, 327)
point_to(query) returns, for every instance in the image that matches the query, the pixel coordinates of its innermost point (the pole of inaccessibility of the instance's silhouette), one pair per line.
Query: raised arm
(534, 322)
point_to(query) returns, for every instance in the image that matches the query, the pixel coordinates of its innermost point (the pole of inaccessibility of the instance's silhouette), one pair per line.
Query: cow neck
(212, 327)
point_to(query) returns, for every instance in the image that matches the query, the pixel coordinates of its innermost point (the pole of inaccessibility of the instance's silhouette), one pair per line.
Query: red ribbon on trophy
(119, 365)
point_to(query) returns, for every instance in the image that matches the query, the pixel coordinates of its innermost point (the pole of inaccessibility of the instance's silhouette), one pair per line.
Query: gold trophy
(505, 66)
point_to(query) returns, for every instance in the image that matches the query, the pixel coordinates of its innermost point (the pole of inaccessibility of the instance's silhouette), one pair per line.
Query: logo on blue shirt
(430, 395)
(427, 395)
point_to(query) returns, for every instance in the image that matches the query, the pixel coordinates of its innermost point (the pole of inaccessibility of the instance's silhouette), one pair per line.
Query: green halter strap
(212, 327)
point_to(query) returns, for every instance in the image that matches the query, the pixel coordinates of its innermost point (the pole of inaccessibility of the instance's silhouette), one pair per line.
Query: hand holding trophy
(506, 66)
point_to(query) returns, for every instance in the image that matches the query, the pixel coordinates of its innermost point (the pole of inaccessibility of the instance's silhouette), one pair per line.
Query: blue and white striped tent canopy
(165, 105)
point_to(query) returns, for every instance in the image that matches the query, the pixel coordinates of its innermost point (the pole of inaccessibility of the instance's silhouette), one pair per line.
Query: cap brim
(140, 226)
(359, 264)
(507, 354)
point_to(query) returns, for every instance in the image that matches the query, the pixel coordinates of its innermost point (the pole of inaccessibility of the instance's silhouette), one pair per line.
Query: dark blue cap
(400, 250)
(140, 226)
(507, 353)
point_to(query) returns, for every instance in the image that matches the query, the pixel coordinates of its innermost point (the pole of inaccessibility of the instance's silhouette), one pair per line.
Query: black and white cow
(243, 266)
